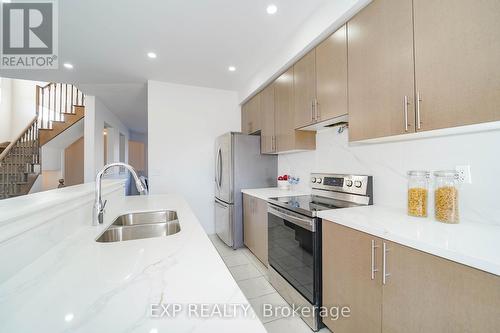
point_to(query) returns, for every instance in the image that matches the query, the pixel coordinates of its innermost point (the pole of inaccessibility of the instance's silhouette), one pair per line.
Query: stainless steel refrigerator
(238, 165)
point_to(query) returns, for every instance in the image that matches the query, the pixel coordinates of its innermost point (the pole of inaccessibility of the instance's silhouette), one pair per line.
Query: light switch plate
(464, 174)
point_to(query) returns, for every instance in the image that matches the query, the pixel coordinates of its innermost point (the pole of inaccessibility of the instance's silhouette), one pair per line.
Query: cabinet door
(284, 111)
(254, 114)
(267, 139)
(347, 280)
(287, 137)
(304, 81)
(457, 48)
(380, 70)
(260, 224)
(245, 119)
(331, 76)
(248, 231)
(425, 293)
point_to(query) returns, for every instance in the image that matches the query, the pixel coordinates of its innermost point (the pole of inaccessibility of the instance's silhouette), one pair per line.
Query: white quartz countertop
(272, 192)
(472, 244)
(84, 286)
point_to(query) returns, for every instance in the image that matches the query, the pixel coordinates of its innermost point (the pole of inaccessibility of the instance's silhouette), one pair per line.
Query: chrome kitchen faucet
(98, 212)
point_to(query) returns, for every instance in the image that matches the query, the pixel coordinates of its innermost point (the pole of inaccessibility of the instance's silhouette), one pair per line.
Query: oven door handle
(303, 222)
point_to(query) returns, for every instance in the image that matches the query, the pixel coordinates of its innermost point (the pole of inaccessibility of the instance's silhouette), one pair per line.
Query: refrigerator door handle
(217, 168)
(220, 167)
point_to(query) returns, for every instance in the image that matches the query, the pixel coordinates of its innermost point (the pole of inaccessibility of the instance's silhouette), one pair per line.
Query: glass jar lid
(419, 173)
(446, 173)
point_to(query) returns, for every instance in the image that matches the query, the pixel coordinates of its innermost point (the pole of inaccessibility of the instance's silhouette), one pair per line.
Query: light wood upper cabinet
(245, 119)
(267, 135)
(331, 76)
(380, 70)
(255, 226)
(347, 280)
(421, 292)
(320, 81)
(287, 138)
(457, 52)
(275, 118)
(251, 115)
(304, 82)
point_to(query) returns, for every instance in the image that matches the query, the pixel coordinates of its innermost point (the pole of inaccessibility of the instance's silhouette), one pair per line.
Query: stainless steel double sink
(141, 225)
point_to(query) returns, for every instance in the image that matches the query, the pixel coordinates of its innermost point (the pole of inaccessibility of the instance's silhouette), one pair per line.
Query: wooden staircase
(59, 126)
(58, 107)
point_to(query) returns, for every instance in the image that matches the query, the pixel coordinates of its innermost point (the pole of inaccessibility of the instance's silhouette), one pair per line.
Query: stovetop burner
(330, 191)
(309, 204)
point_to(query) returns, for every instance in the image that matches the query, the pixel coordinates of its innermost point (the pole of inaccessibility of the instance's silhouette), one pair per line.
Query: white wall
(17, 106)
(23, 101)
(389, 163)
(5, 109)
(183, 122)
(96, 116)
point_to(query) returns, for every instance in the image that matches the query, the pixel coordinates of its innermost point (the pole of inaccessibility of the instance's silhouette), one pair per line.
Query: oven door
(295, 251)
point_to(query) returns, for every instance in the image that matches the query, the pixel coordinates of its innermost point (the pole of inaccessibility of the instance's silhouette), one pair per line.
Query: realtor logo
(29, 35)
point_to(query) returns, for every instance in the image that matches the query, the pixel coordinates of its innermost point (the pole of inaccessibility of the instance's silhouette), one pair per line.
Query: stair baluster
(20, 157)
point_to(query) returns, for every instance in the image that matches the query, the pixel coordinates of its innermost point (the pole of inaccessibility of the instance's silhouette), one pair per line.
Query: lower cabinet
(347, 279)
(255, 226)
(420, 292)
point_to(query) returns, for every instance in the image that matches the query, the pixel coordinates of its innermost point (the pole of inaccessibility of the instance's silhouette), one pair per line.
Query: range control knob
(357, 183)
(319, 180)
(313, 180)
(348, 183)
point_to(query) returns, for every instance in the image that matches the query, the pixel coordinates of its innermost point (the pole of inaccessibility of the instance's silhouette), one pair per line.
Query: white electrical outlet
(464, 175)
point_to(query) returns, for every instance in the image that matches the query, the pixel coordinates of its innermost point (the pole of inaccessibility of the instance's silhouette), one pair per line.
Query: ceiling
(196, 41)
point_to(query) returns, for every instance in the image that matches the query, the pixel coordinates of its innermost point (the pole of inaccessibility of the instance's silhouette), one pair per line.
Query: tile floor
(252, 277)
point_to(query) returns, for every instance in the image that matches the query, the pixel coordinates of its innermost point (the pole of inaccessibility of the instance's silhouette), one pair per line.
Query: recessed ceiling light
(231, 68)
(152, 55)
(272, 9)
(68, 65)
(69, 317)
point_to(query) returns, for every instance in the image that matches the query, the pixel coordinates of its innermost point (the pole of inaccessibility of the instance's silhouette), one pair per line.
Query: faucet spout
(98, 211)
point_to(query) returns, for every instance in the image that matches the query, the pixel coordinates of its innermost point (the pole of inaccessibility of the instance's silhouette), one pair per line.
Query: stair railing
(54, 100)
(18, 159)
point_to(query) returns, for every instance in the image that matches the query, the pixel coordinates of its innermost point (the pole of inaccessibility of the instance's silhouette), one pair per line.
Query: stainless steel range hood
(341, 120)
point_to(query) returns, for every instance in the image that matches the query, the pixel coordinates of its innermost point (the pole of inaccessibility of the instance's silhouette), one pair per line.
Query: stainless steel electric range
(294, 237)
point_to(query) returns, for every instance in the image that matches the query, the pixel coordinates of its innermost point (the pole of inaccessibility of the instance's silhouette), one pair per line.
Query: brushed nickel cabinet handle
(406, 112)
(374, 270)
(419, 99)
(312, 111)
(316, 110)
(385, 275)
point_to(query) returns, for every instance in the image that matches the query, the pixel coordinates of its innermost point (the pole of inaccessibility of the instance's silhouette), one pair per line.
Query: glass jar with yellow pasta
(446, 204)
(418, 193)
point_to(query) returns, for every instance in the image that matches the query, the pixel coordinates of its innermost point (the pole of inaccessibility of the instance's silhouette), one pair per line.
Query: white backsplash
(389, 162)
